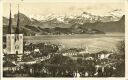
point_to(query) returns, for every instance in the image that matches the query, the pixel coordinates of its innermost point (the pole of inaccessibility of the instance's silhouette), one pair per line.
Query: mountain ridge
(77, 25)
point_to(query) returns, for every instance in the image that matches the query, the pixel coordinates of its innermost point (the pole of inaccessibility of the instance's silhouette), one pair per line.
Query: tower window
(16, 47)
(16, 52)
(21, 37)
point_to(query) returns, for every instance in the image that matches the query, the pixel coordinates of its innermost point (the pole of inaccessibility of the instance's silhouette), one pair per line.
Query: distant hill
(113, 26)
(65, 25)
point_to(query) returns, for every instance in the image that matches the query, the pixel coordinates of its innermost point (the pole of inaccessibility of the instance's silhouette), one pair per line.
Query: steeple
(14, 41)
(10, 22)
(18, 20)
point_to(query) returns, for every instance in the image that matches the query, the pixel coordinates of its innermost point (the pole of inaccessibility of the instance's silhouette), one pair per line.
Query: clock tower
(14, 41)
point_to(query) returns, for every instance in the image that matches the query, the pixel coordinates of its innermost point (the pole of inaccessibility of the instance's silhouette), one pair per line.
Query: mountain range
(85, 23)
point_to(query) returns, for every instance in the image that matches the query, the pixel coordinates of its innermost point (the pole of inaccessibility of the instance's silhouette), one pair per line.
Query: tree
(79, 60)
(121, 46)
(10, 57)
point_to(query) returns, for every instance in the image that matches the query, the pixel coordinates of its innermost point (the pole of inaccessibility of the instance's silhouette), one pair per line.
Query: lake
(94, 43)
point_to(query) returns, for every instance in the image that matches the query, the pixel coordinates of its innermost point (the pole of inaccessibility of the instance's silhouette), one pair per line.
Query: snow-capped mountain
(84, 17)
(73, 23)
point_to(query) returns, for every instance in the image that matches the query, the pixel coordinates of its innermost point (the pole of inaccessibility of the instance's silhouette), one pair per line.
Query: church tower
(14, 41)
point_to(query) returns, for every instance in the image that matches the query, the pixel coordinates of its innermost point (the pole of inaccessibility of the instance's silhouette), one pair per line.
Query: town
(46, 59)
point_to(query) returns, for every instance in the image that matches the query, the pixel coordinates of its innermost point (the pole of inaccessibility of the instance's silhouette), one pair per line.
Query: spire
(10, 22)
(18, 20)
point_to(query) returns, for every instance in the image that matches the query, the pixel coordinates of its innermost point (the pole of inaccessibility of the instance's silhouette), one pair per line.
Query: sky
(43, 8)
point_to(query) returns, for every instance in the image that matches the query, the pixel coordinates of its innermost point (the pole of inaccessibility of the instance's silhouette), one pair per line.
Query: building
(70, 52)
(14, 41)
(104, 55)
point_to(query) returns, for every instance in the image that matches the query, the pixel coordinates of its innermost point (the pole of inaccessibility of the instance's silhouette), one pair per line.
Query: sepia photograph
(63, 39)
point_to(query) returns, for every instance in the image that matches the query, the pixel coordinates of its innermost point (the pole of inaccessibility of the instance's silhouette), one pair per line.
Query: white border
(89, 1)
(53, 78)
(1, 33)
(126, 39)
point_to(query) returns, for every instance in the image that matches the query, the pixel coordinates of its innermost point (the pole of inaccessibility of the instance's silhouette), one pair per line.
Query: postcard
(61, 39)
